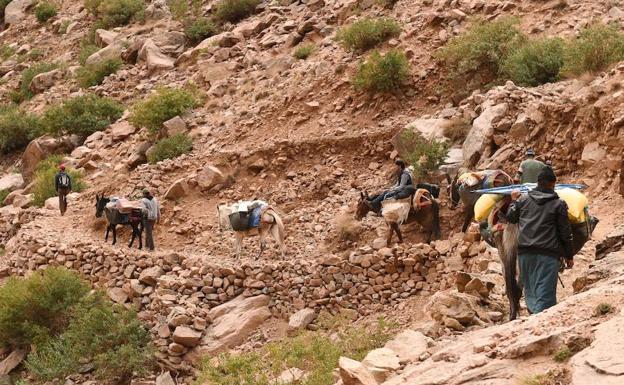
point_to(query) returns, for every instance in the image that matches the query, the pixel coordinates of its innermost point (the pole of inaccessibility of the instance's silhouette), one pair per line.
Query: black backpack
(64, 180)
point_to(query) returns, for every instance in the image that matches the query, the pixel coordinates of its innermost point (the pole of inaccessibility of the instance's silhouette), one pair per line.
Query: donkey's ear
(362, 196)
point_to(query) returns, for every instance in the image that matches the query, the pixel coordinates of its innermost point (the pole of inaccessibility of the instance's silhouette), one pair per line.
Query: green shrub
(64, 26)
(94, 74)
(199, 29)
(603, 308)
(6, 51)
(303, 51)
(169, 148)
(24, 92)
(476, 54)
(596, 47)
(382, 73)
(313, 352)
(17, 129)
(3, 195)
(534, 63)
(82, 115)
(36, 308)
(44, 179)
(35, 54)
(388, 4)
(3, 4)
(164, 104)
(235, 10)
(44, 11)
(108, 335)
(367, 33)
(562, 354)
(180, 8)
(425, 155)
(116, 13)
(87, 50)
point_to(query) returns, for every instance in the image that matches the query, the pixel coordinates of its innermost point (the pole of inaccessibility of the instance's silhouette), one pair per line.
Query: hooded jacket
(543, 223)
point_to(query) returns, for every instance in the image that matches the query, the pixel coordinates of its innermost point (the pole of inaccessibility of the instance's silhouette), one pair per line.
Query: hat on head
(547, 175)
(62, 166)
(400, 162)
(530, 152)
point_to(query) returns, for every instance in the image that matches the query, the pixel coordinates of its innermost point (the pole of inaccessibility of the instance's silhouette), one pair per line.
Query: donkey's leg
(114, 234)
(134, 234)
(107, 230)
(397, 230)
(238, 243)
(140, 235)
(390, 232)
(467, 218)
(261, 235)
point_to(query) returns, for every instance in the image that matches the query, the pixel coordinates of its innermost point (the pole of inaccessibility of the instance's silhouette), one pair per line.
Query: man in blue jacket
(545, 236)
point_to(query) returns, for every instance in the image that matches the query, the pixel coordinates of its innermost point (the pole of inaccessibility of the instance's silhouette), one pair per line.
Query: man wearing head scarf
(152, 206)
(529, 168)
(545, 237)
(404, 181)
(63, 186)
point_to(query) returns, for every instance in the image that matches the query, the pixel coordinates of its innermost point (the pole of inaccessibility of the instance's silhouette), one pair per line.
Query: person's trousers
(62, 194)
(149, 233)
(538, 274)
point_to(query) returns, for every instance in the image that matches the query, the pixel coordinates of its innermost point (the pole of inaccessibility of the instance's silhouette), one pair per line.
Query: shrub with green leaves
(199, 29)
(534, 63)
(313, 352)
(3, 195)
(17, 129)
(235, 10)
(476, 54)
(116, 13)
(6, 51)
(44, 11)
(44, 179)
(425, 155)
(368, 33)
(382, 73)
(108, 335)
(24, 92)
(304, 50)
(82, 115)
(169, 148)
(94, 74)
(86, 50)
(164, 104)
(3, 4)
(36, 308)
(597, 47)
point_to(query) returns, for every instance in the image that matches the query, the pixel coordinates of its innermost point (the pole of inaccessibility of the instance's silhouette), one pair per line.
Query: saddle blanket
(254, 209)
(124, 205)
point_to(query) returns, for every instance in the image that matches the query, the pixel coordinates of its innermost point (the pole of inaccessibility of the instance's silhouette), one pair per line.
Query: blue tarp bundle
(254, 218)
(525, 188)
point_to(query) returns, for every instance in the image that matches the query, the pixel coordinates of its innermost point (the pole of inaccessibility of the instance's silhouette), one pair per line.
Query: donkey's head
(100, 205)
(363, 206)
(452, 190)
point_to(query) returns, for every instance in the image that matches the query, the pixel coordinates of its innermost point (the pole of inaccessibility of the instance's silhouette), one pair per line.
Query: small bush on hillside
(116, 13)
(94, 74)
(161, 106)
(382, 73)
(17, 129)
(44, 179)
(86, 51)
(596, 47)
(235, 10)
(82, 115)
(170, 148)
(180, 8)
(367, 33)
(425, 155)
(24, 92)
(36, 308)
(303, 51)
(6, 51)
(478, 52)
(313, 352)
(64, 26)
(536, 62)
(108, 335)
(199, 29)
(44, 11)
(603, 308)
(562, 354)
(3, 195)
(388, 4)
(3, 4)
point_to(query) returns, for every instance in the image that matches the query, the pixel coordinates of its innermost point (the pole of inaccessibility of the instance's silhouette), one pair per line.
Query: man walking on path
(63, 186)
(530, 168)
(545, 236)
(152, 206)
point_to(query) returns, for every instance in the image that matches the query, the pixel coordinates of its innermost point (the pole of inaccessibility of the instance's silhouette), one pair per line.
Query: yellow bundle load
(484, 205)
(577, 203)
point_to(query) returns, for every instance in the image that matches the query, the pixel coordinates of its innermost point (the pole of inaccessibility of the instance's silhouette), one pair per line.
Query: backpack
(64, 181)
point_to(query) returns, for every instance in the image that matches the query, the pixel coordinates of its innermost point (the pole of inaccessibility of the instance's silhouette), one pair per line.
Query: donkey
(270, 222)
(461, 192)
(420, 207)
(114, 218)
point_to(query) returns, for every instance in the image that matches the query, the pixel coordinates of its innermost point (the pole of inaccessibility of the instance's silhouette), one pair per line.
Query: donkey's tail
(509, 258)
(279, 225)
(437, 234)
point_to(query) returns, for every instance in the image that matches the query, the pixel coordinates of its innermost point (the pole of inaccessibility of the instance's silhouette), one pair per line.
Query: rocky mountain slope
(297, 134)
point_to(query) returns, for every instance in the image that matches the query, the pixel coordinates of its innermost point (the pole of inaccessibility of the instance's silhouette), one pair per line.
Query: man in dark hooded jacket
(404, 184)
(545, 236)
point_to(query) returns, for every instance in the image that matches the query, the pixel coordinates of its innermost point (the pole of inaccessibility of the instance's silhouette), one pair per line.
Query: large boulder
(150, 275)
(301, 319)
(381, 363)
(186, 336)
(178, 189)
(40, 148)
(456, 310)
(139, 155)
(105, 38)
(154, 58)
(593, 153)
(122, 130)
(233, 322)
(480, 135)
(112, 51)
(11, 182)
(409, 345)
(15, 11)
(170, 42)
(45, 80)
(210, 177)
(354, 372)
(173, 126)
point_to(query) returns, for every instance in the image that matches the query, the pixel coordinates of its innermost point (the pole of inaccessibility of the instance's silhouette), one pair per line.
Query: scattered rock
(301, 319)
(354, 372)
(186, 336)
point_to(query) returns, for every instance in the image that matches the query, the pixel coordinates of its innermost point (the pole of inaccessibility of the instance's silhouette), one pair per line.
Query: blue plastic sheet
(525, 188)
